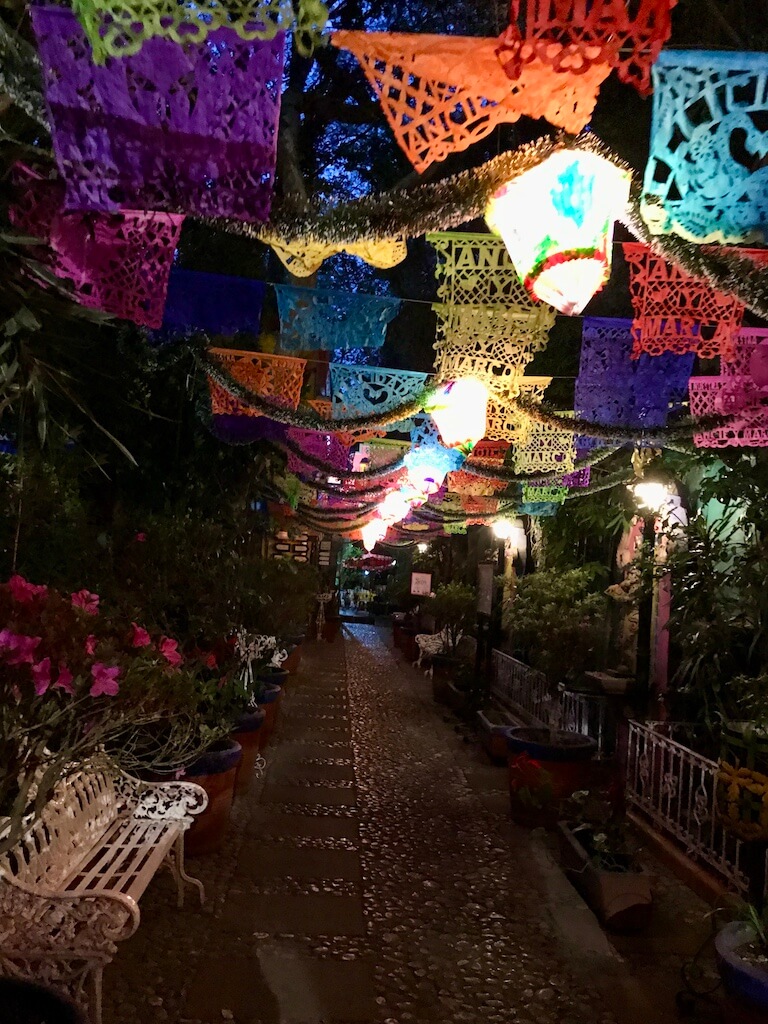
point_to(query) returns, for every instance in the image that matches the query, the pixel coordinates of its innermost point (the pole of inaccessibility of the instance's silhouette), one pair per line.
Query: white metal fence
(674, 787)
(516, 683)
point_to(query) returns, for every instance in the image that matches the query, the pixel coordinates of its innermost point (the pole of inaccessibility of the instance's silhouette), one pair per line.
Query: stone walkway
(373, 877)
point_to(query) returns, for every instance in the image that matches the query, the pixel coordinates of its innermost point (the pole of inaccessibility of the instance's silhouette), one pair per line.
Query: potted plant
(741, 948)
(77, 684)
(260, 666)
(453, 607)
(598, 857)
(562, 760)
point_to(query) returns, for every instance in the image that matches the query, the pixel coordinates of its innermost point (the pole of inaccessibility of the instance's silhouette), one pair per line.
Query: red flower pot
(215, 771)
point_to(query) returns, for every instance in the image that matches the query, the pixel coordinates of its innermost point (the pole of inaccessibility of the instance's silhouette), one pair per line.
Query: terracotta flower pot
(292, 662)
(269, 702)
(331, 629)
(544, 768)
(621, 899)
(246, 733)
(215, 771)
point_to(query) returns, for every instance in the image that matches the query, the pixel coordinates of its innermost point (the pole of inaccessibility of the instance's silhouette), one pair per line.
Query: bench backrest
(78, 814)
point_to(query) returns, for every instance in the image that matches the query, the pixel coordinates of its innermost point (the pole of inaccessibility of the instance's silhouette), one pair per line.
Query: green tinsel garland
(20, 75)
(312, 421)
(455, 200)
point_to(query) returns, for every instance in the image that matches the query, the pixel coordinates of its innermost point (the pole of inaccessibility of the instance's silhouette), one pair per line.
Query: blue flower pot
(741, 979)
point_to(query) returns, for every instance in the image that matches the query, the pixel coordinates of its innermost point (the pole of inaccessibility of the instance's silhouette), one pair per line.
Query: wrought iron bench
(430, 644)
(69, 890)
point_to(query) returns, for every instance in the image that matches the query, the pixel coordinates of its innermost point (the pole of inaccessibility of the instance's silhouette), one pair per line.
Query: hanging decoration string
(311, 421)
(20, 75)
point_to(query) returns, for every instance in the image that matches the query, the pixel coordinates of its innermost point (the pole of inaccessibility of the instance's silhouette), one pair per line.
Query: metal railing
(674, 787)
(518, 684)
(591, 715)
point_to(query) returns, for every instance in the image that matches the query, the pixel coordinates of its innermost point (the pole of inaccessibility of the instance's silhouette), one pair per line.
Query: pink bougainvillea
(23, 591)
(41, 676)
(87, 601)
(104, 680)
(169, 650)
(65, 680)
(19, 649)
(140, 637)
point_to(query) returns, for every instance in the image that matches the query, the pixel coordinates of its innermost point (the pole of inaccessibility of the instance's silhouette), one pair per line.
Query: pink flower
(19, 649)
(41, 676)
(87, 601)
(169, 650)
(90, 644)
(141, 537)
(210, 661)
(64, 681)
(140, 636)
(24, 591)
(104, 680)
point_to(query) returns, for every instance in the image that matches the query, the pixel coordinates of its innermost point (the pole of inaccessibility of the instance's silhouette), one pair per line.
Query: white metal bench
(430, 644)
(69, 890)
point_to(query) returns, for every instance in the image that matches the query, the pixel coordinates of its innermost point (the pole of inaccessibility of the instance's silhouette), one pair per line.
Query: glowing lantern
(373, 532)
(556, 221)
(460, 411)
(394, 507)
(428, 465)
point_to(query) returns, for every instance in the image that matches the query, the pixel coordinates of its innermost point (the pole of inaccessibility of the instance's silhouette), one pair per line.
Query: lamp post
(664, 516)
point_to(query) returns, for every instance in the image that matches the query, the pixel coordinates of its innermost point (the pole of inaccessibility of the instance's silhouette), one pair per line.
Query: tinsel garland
(20, 75)
(375, 473)
(311, 421)
(724, 269)
(459, 198)
(612, 434)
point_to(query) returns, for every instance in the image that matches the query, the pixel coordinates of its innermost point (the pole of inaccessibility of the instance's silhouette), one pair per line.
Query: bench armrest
(36, 921)
(162, 801)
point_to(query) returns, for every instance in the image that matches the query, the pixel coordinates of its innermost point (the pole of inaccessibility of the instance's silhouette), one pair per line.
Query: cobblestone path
(373, 877)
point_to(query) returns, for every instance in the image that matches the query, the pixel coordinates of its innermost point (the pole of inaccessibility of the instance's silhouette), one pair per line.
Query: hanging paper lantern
(557, 223)
(700, 182)
(573, 35)
(372, 533)
(428, 465)
(173, 127)
(460, 411)
(394, 507)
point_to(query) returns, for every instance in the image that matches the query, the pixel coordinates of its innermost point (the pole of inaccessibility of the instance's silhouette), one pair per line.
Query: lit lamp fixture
(556, 221)
(512, 531)
(422, 548)
(460, 411)
(651, 494)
